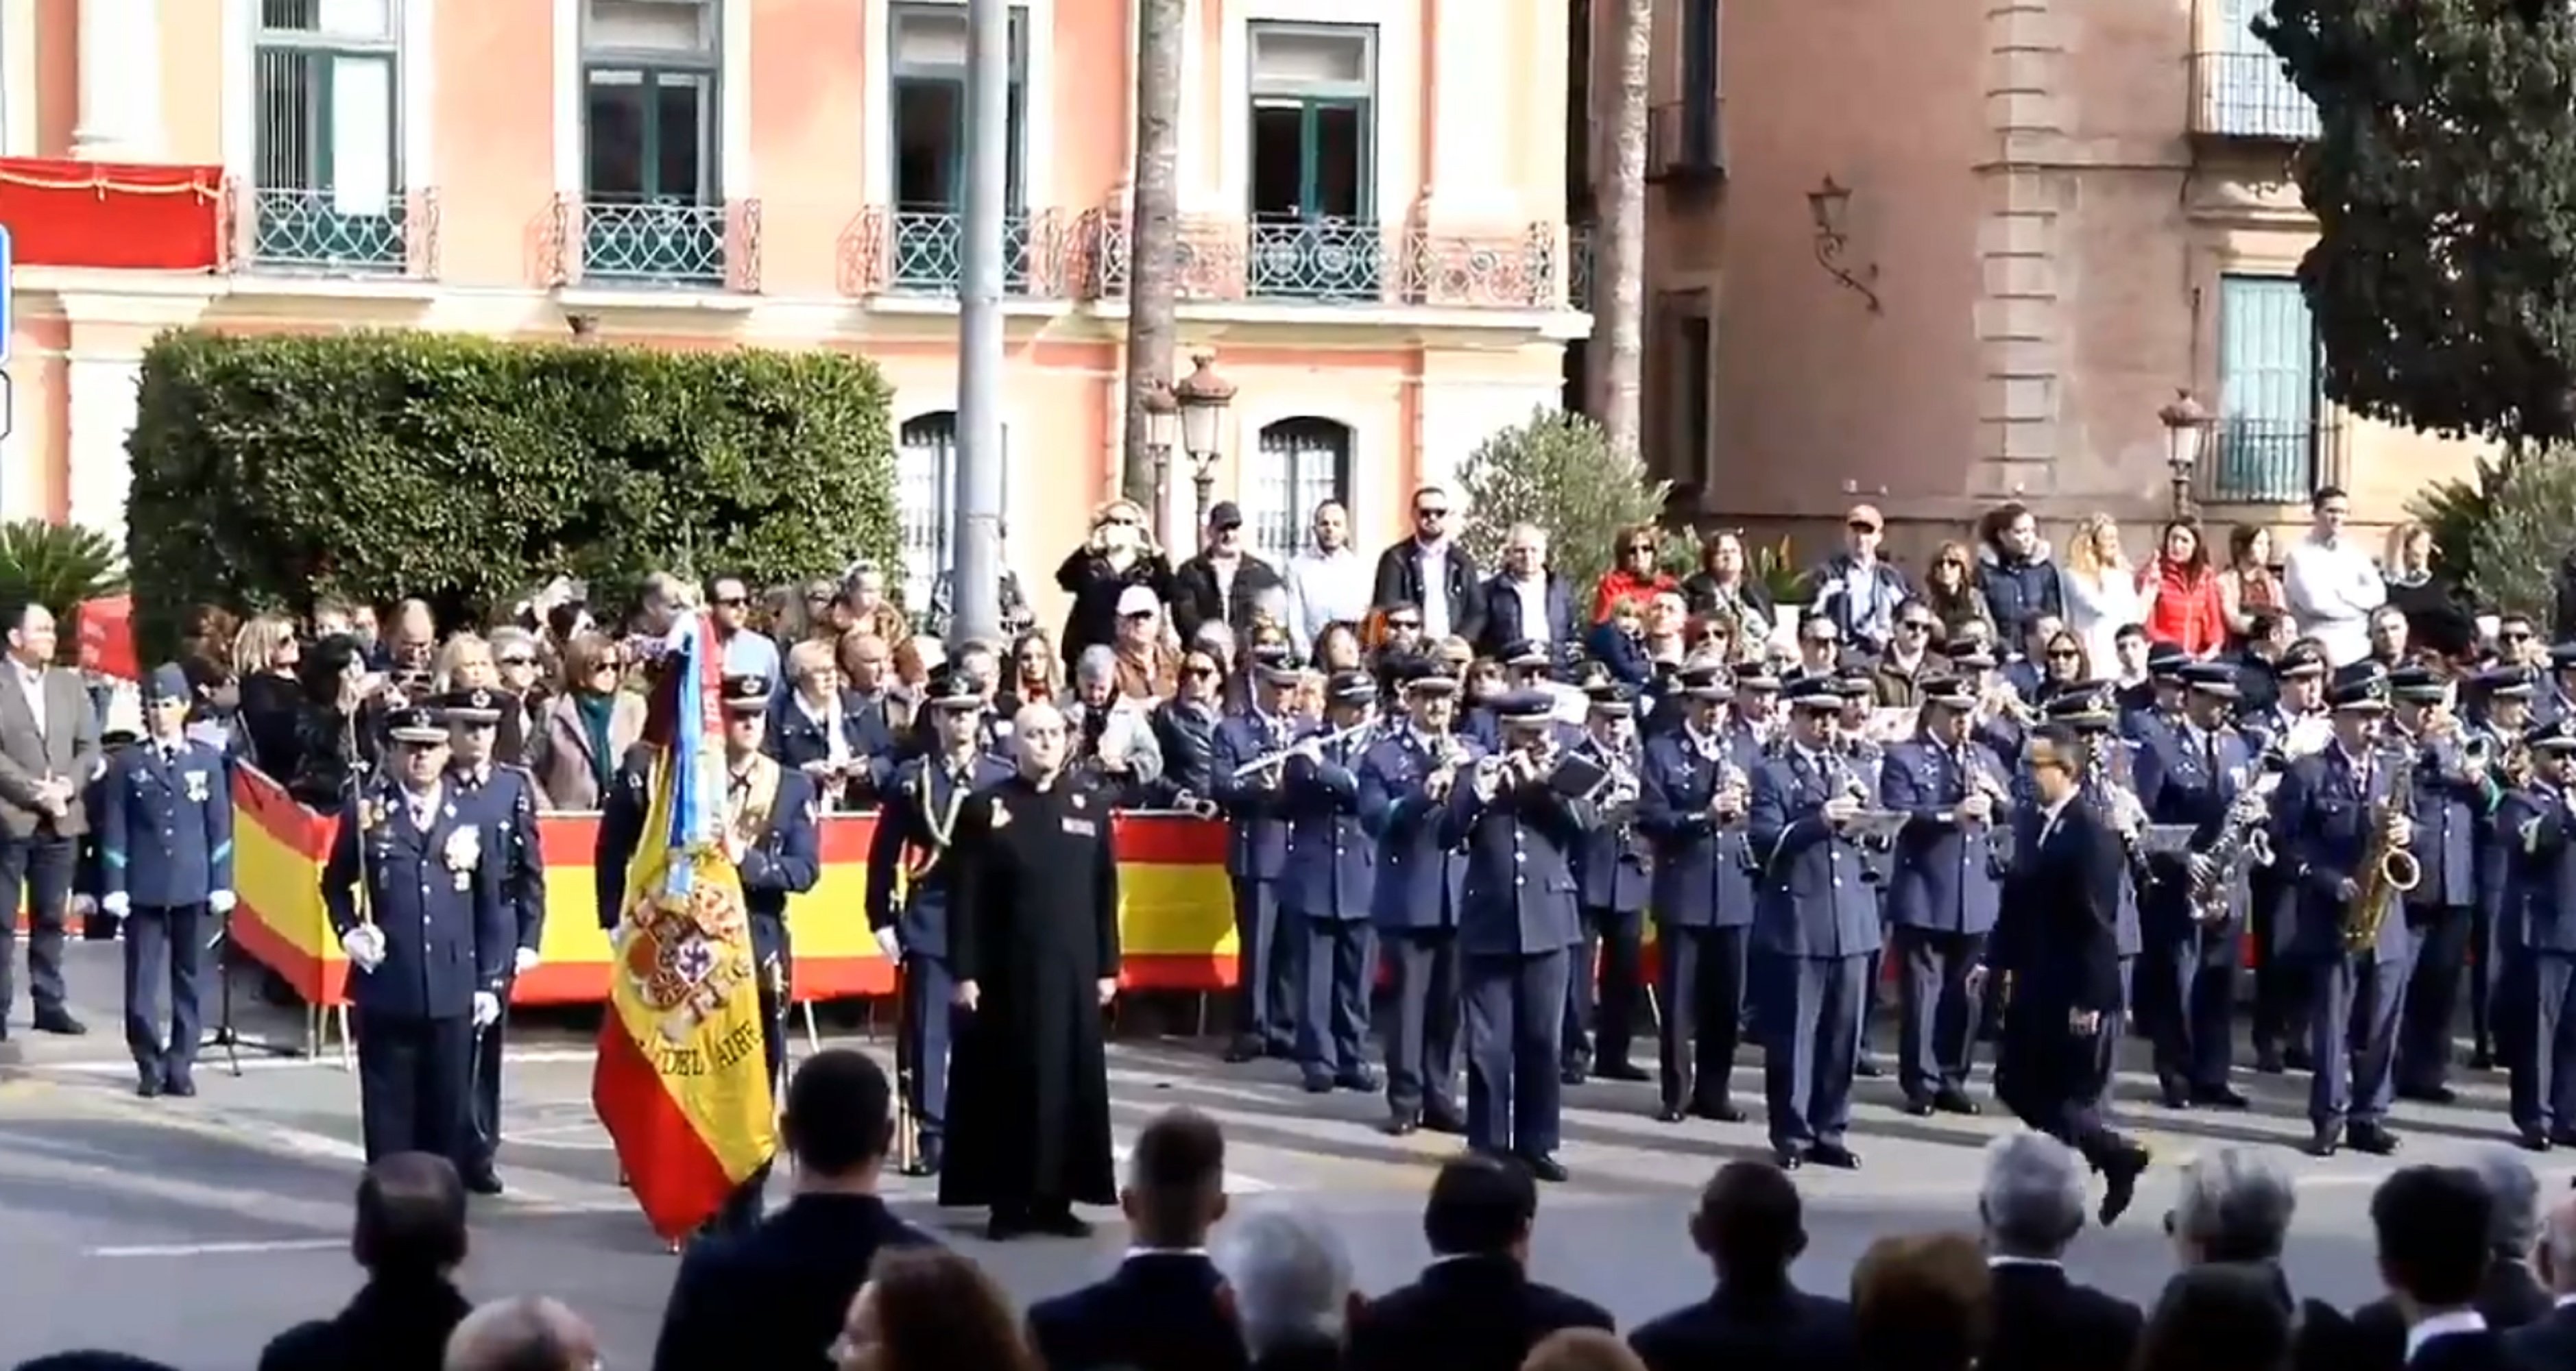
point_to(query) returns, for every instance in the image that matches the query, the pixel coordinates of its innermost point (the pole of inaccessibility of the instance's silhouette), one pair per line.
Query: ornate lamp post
(1162, 416)
(2186, 427)
(1202, 397)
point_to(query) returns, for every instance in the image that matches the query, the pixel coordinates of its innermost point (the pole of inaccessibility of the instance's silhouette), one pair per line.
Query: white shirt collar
(2052, 813)
(1134, 1252)
(2441, 1325)
(2563, 1301)
(2000, 1261)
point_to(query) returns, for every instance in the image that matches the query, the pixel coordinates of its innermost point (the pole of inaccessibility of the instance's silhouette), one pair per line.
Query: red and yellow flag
(681, 1084)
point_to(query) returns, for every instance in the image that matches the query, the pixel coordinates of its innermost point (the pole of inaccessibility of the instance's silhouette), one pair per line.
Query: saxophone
(2242, 843)
(2388, 869)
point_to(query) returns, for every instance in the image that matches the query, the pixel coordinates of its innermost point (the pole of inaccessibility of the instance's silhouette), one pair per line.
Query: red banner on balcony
(112, 214)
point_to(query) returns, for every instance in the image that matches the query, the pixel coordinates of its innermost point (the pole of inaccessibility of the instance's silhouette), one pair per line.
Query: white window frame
(415, 94)
(734, 172)
(1396, 159)
(1300, 511)
(1037, 103)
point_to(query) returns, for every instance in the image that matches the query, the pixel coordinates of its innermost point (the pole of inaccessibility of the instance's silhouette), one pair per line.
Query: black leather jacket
(1188, 735)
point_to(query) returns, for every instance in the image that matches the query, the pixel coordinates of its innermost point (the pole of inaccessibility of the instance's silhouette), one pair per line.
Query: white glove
(524, 961)
(889, 944)
(487, 1009)
(365, 945)
(220, 902)
(83, 906)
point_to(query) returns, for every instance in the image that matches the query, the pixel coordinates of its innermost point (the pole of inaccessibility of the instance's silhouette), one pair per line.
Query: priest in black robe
(1033, 945)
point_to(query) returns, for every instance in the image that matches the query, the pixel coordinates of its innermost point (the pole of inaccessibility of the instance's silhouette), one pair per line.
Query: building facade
(1373, 244)
(1940, 254)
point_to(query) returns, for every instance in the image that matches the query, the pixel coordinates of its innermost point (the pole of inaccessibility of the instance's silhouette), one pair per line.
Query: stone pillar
(120, 82)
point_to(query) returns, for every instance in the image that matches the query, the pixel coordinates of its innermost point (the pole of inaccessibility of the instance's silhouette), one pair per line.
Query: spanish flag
(680, 1083)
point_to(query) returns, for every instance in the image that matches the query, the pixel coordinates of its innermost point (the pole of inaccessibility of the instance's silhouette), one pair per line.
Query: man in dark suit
(775, 1295)
(1433, 573)
(1475, 1307)
(2032, 1205)
(2058, 943)
(1166, 1307)
(1525, 601)
(2434, 1226)
(49, 750)
(2509, 1296)
(409, 1239)
(1752, 1228)
(2548, 1343)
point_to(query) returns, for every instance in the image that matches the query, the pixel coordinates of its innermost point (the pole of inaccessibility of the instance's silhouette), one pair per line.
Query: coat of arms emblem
(686, 956)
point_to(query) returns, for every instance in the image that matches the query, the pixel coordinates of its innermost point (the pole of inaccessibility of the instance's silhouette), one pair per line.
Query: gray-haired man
(2032, 1206)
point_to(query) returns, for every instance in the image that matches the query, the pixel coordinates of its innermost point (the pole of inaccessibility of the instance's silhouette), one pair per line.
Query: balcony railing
(922, 253)
(666, 244)
(1685, 141)
(1328, 263)
(309, 233)
(2271, 461)
(2248, 96)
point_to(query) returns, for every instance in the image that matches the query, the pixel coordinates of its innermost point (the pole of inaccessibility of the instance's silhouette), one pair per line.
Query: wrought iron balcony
(2248, 96)
(1685, 143)
(920, 253)
(307, 232)
(2270, 461)
(656, 244)
(1329, 263)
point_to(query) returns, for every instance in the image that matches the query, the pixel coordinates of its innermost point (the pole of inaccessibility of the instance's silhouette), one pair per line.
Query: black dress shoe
(2298, 1059)
(2430, 1094)
(59, 1021)
(179, 1083)
(1920, 1106)
(2267, 1061)
(2220, 1097)
(2371, 1138)
(1717, 1111)
(1243, 1050)
(2533, 1140)
(1402, 1123)
(1621, 1071)
(1060, 1223)
(483, 1182)
(2483, 1059)
(2173, 1095)
(1835, 1155)
(1444, 1121)
(1319, 1085)
(1787, 1158)
(1004, 1227)
(1358, 1078)
(1544, 1167)
(1868, 1067)
(1670, 1113)
(1952, 1100)
(147, 1082)
(2326, 1142)
(1572, 1074)
(2120, 1172)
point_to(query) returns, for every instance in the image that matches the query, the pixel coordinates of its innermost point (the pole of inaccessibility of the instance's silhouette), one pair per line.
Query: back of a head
(839, 1116)
(2218, 1316)
(525, 1333)
(1479, 1206)
(1291, 1276)
(411, 1217)
(2032, 1196)
(937, 1311)
(1581, 1349)
(1924, 1301)
(2435, 1229)
(2234, 1205)
(1176, 1178)
(1751, 1222)
(93, 1361)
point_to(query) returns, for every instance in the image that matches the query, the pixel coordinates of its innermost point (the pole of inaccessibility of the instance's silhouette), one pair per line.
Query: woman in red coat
(1634, 576)
(2181, 595)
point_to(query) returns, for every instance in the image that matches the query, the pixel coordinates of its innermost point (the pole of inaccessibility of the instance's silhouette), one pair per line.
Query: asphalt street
(193, 1230)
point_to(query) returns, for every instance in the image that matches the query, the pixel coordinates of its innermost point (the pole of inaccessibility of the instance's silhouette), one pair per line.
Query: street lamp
(1202, 397)
(2186, 427)
(1162, 415)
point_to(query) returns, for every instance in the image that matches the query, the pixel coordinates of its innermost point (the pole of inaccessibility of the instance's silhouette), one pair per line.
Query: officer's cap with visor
(1812, 691)
(415, 726)
(1525, 707)
(746, 695)
(2216, 680)
(2361, 688)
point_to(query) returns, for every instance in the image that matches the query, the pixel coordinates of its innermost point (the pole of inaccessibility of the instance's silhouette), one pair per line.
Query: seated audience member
(1922, 1303)
(1582, 1349)
(2509, 1296)
(1752, 1227)
(2549, 1342)
(1165, 1308)
(1290, 1276)
(2435, 1230)
(1475, 1307)
(777, 1296)
(2217, 1317)
(928, 1309)
(525, 1333)
(2033, 1206)
(409, 1237)
(2234, 1207)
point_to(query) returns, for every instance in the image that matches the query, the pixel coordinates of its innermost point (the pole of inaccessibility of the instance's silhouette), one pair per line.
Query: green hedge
(272, 471)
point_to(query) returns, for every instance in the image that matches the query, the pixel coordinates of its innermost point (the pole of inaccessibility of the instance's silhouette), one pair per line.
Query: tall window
(2245, 91)
(925, 480)
(2269, 447)
(928, 44)
(326, 144)
(1699, 82)
(1314, 155)
(1301, 463)
(649, 115)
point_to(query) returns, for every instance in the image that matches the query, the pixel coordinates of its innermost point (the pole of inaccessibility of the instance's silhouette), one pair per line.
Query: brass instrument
(2458, 753)
(2243, 841)
(1999, 834)
(2388, 868)
(2128, 817)
(1305, 747)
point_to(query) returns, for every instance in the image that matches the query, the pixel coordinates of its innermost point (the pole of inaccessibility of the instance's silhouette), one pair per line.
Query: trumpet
(1310, 748)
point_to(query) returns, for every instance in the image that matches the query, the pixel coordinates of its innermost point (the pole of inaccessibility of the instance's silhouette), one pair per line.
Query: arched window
(925, 498)
(1298, 464)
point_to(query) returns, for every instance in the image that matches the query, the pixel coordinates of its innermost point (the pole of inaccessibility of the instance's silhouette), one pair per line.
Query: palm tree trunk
(1153, 237)
(1619, 278)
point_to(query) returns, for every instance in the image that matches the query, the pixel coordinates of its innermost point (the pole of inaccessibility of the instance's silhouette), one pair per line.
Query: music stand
(225, 1034)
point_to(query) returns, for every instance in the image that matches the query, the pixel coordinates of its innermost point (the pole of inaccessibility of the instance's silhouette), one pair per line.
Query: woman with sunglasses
(1119, 555)
(1633, 575)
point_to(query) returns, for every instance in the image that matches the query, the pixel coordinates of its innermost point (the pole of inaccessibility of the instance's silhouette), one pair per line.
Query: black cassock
(1034, 923)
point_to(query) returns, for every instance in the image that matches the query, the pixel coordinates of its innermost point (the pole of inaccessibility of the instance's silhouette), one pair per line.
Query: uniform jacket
(507, 803)
(436, 895)
(1612, 866)
(1703, 874)
(165, 826)
(1812, 898)
(1520, 896)
(1332, 863)
(2188, 776)
(1421, 878)
(2325, 813)
(1255, 805)
(2446, 812)
(920, 816)
(1944, 876)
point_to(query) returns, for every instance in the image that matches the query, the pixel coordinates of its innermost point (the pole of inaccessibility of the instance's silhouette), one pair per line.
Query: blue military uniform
(1943, 893)
(416, 897)
(1266, 961)
(1517, 918)
(2504, 698)
(2281, 981)
(2327, 811)
(2190, 774)
(1815, 925)
(1611, 884)
(1325, 894)
(2540, 944)
(2452, 799)
(1415, 897)
(504, 801)
(1703, 898)
(910, 883)
(163, 813)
